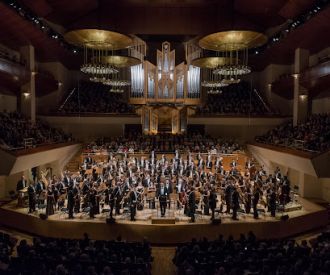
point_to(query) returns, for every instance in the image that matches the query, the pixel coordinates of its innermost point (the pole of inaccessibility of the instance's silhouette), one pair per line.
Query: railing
(28, 143)
(282, 147)
(262, 101)
(90, 114)
(67, 98)
(145, 152)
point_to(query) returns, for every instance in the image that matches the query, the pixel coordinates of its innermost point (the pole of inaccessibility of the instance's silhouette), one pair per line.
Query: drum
(22, 200)
(198, 196)
(139, 206)
(151, 199)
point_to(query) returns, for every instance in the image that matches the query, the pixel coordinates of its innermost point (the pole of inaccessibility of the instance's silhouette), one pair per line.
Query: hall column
(28, 91)
(300, 94)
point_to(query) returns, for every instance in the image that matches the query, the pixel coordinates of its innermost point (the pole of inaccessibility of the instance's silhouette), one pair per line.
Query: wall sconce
(303, 97)
(295, 76)
(26, 94)
(60, 84)
(33, 73)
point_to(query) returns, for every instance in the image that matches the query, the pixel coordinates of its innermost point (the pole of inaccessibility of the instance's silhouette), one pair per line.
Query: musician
(209, 161)
(71, 202)
(233, 164)
(247, 200)
(255, 200)
(21, 184)
(50, 209)
(272, 202)
(112, 199)
(92, 202)
(76, 193)
(162, 195)
(228, 199)
(118, 194)
(39, 189)
(206, 196)
(32, 198)
(192, 204)
(133, 196)
(235, 203)
(212, 201)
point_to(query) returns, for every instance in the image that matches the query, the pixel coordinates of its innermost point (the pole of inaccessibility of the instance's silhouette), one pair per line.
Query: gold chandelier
(233, 46)
(97, 45)
(213, 82)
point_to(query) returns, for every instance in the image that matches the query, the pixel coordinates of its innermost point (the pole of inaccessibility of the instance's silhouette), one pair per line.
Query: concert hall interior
(164, 137)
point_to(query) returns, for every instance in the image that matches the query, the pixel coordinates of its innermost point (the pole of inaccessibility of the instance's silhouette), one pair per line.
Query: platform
(311, 216)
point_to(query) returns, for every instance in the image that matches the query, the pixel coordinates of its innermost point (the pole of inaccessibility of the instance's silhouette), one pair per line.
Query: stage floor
(311, 216)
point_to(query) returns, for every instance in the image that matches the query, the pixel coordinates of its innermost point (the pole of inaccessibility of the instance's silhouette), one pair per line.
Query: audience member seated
(251, 256)
(194, 142)
(7, 244)
(64, 256)
(15, 128)
(313, 135)
(8, 55)
(235, 99)
(93, 97)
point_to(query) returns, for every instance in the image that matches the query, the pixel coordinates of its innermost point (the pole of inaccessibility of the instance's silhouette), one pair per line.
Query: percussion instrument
(22, 198)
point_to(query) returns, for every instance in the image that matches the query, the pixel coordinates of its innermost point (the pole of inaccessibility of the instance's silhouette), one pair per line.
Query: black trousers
(192, 212)
(272, 209)
(212, 212)
(255, 211)
(70, 210)
(162, 204)
(32, 204)
(133, 211)
(235, 209)
(118, 202)
(247, 208)
(112, 205)
(228, 205)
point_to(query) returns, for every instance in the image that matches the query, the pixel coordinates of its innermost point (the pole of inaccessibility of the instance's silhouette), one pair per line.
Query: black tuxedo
(255, 201)
(213, 202)
(192, 205)
(133, 200)
(21, 184)
(235, 201)
(71, 202)
(162, 194)
(32, 199)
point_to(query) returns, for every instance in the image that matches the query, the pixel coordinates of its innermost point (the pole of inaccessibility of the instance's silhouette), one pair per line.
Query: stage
(172, 229)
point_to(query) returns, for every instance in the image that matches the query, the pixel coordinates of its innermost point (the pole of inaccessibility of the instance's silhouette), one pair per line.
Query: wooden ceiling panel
(294, 8)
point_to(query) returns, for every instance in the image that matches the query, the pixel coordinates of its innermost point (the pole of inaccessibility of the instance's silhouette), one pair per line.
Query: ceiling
(176, 21)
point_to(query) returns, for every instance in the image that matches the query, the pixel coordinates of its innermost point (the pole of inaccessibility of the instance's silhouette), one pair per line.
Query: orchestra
(195, 183)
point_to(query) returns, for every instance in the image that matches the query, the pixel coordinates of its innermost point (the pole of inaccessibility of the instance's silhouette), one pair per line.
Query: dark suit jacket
(20, 185)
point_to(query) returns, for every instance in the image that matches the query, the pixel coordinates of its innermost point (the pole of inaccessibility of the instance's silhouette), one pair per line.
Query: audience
(93, 97)
(194, 142)
(235, 99)
(7, 244)
(313, 135)
(251, 256)
(14, 128)
(64, 256)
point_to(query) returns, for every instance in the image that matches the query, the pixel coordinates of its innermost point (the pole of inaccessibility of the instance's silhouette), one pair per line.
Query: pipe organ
(165, 86)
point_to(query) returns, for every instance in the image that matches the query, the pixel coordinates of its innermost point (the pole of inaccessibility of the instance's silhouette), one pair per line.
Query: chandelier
(97, 45)
(209, 80)
(233, 46)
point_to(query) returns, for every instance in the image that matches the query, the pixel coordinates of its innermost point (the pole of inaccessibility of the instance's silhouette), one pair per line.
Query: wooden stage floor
(310, 217)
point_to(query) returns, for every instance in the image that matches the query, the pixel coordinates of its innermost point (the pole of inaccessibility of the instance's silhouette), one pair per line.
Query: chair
(85, 212)
(105, 211)
(63, 211)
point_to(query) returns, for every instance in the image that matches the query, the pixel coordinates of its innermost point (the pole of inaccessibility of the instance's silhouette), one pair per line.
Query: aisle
(162, 263)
